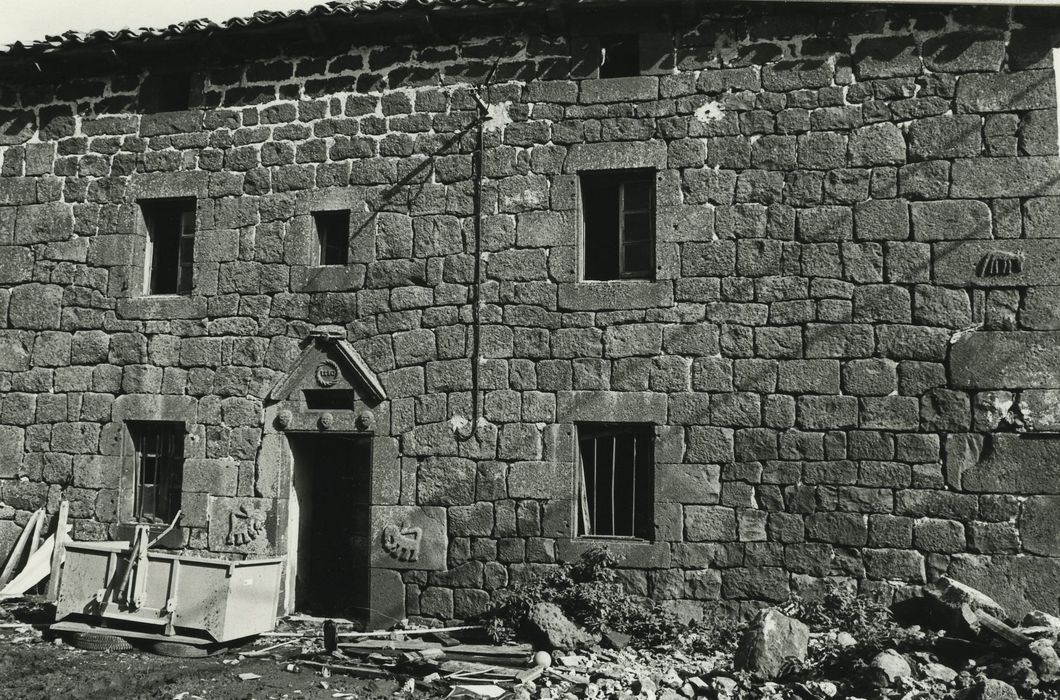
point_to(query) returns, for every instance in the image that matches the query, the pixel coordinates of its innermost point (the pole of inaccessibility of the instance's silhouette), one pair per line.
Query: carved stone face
(365, 421)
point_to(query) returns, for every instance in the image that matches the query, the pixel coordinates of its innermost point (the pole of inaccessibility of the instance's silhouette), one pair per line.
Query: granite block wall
(847, 349)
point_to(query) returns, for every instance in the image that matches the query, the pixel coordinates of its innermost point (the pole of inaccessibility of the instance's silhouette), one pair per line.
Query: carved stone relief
(409, 537)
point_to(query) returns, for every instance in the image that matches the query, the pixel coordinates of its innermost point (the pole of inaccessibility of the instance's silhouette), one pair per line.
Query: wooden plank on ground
(34, 540)
(37, 567)
(58, 553)
(20, 547)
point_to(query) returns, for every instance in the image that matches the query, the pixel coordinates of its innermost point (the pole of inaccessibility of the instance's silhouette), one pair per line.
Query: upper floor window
(618, 216)
(619, 56)
(159, 450)
(166, 92)
(615, 480)
(170, 225)
(332, 237)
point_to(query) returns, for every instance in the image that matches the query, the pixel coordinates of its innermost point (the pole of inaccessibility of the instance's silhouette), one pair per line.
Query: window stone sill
(635, 554)
(328, 278)
(161, 307)
(177, 538)
(615, 295)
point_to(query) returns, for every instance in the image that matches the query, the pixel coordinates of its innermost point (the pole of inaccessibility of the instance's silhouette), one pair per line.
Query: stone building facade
(793, 268)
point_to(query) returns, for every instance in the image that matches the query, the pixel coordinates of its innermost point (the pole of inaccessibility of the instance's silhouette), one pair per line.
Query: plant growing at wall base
(589, 593)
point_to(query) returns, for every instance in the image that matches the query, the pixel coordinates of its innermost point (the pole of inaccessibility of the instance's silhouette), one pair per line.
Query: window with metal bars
(618, 221)
(333, 237)
(170, 249)
(159, 450)
(615, 480)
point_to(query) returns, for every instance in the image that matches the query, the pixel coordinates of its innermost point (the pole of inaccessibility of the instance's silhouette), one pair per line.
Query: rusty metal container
(191, 596)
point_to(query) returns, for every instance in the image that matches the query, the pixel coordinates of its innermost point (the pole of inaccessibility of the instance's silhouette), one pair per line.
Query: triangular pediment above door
(329, 363)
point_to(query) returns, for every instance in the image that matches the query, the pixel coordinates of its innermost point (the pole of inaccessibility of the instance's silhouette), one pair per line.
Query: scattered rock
(555, 631)
(724, 687)
(887, 667)
(1037, 618)
(990, 689)
(951, 595)
(771, 640)
(1046, 662)
(613, 639)
(845, 639)
(932, 671)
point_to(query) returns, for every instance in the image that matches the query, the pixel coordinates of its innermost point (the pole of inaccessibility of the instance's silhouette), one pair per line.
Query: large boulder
(953, 604)
(990, 689)
(887, 667)
(554, 630)
(769, 642)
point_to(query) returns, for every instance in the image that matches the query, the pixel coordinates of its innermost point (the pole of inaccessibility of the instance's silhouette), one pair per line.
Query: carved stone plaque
(327, 373)
(409, 537)
(245, 525)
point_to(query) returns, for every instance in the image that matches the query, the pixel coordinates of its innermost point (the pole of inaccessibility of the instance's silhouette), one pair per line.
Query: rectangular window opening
(619, 56)
(615, 480)
(333, 237)
(170, 249)
(166, 92)
(618, 218)
(159, 450)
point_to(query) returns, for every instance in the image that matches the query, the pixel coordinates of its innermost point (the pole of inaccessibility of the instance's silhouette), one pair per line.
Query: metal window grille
(159, 449)
(615, 480)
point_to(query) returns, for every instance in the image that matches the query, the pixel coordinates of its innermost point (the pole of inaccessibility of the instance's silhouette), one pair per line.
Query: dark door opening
(332, 487)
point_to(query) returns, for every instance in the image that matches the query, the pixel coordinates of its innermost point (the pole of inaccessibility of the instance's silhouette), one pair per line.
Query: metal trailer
(155, 595)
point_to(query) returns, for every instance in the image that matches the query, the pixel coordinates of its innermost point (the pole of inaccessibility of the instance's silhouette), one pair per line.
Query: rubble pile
(965, 649)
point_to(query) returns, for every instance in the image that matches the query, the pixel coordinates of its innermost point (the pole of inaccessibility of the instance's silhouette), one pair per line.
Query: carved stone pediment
(329, 363)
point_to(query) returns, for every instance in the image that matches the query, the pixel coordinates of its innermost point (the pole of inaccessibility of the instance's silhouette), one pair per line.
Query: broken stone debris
(770, 642)
(551, 628)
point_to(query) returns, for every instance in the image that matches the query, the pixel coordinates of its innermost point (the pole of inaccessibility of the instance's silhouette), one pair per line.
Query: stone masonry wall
(822, 350)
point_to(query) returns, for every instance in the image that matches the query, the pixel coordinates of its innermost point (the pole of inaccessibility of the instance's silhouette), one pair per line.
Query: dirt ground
(33, 670)
(33, 665)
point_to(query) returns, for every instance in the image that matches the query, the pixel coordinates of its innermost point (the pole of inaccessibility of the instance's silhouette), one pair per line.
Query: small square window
(166, 92)
(618, 216)
(619, 56)
(170, 246)
(615, 480)
(333, 237)
(159, 450)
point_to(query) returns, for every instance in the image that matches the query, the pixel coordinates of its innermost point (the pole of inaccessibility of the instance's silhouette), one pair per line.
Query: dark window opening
(159, 450)
(619, 56)
(333, 237)
(616, 480)
(170, 245)
(166, 92)
(618, 211)
(320, 399)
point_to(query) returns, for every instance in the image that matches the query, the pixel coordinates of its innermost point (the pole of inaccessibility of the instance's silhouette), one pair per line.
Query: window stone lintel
(611, 407)
(624, 155)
